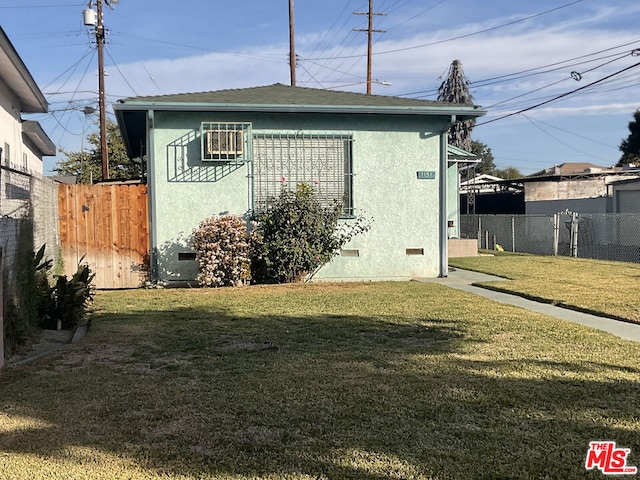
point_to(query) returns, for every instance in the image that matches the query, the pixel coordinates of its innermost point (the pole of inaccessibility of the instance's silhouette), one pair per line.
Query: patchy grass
(597, 286)
(361, 381)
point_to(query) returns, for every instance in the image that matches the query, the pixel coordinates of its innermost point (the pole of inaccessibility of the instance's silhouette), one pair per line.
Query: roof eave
(34, 132)
(462, 113)
(19, 79)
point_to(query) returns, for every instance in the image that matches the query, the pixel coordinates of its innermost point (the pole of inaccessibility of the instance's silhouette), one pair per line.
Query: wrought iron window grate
(322, 160)
(225, 142)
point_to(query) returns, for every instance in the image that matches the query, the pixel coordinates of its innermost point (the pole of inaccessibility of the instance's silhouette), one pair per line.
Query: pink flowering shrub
(222, 251)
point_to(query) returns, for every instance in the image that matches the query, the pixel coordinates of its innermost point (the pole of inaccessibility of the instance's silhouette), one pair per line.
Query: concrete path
(463, 280)
(49, 341)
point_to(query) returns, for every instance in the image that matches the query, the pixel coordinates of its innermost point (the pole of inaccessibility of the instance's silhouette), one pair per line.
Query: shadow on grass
(209, 393)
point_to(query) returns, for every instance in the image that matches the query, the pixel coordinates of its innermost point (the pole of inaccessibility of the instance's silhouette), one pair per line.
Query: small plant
(222, 251)
(70, 298)
(297, 235)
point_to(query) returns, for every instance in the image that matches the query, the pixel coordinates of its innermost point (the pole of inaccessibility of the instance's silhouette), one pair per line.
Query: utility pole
(95, 19)
(292, 48)
(370, 31)
(101, 95)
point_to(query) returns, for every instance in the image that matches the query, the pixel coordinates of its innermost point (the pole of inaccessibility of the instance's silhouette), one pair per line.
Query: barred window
(322, 160)
(224, 141)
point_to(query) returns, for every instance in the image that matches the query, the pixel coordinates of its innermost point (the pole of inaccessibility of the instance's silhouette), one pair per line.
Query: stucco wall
(582, 196)
(387, 153)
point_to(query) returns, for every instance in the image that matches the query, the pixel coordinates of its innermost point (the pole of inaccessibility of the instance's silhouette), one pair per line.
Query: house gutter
(442, 231)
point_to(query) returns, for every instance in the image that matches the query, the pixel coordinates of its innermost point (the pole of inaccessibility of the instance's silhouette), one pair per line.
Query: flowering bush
(296, 236)
(222, 251)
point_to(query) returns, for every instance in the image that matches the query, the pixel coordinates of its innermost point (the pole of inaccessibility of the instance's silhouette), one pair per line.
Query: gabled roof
(278, 98)
(16, 75)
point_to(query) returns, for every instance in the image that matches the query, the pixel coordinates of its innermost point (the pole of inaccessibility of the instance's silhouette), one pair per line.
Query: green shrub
(297, 235)
(222, 251)
(69, 299)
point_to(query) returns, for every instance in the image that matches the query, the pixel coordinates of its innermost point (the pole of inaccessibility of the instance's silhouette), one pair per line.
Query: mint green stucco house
(231, 151)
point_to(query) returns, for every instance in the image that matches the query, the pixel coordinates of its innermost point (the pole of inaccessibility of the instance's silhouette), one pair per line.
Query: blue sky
(516, 53)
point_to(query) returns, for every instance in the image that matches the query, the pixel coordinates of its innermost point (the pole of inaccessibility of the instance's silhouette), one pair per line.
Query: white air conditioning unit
(223, 144)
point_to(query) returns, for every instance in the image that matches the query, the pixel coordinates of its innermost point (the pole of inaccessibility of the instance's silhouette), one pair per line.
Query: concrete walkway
(463, 280)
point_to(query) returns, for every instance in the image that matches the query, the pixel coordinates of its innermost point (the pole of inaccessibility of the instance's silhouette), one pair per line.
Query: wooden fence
(108, 225)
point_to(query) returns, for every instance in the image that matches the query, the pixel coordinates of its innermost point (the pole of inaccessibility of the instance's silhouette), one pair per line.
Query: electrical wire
(588, 154)
(558, 97)
(71, 69)
(530, 72)
(115, 64)
(478, 32)
(567, 131)
(559, 81)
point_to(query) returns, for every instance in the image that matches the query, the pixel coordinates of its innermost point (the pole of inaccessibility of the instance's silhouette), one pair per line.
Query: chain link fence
(599, 236)
(28, 218)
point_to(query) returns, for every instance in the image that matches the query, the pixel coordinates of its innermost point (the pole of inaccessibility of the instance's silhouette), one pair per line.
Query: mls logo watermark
(609, 459)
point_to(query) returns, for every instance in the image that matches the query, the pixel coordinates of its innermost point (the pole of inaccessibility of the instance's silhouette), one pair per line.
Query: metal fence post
(513, 234)
(574, 234)
(556, 233)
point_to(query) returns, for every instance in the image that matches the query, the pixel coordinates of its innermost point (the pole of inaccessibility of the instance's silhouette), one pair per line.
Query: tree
(455, 89)
(509, 173)
(630, 147)
(486, 164)
(87, 165)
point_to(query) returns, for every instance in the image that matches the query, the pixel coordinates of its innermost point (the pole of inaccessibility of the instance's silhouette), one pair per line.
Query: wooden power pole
(292, 48)
(370, 31)
(101, 95)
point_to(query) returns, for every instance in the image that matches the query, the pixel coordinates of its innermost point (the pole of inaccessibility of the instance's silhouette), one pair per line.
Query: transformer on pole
(94, 18)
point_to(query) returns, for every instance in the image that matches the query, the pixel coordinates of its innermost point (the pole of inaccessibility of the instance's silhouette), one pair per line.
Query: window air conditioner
(223, 144)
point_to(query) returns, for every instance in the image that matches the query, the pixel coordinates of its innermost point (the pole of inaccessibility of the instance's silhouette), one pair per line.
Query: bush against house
(297, 235)
(222, 251)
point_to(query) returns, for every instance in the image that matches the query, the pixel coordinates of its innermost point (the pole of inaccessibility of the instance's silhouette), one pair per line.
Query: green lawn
(363, 381)
(596, 286)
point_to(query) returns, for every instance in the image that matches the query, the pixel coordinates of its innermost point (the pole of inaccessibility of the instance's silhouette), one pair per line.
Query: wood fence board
(108, 225)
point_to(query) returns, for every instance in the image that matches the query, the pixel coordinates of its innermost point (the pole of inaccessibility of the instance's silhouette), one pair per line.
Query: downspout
(442, 231)
(151, 194)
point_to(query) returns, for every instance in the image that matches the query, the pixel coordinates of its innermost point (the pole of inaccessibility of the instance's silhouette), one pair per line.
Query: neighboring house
(23, 142)
(581, 188)
(22, 146)
(233, 150)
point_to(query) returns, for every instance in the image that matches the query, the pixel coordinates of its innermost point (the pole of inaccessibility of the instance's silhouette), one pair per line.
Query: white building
(23, 142)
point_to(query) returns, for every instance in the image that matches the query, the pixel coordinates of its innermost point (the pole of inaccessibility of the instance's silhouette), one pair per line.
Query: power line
(558, 140)
(115, 64)
(41, 6)
(575, 75)
(465, 35)
(558, 97)
(530, 72)
(567, 131)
